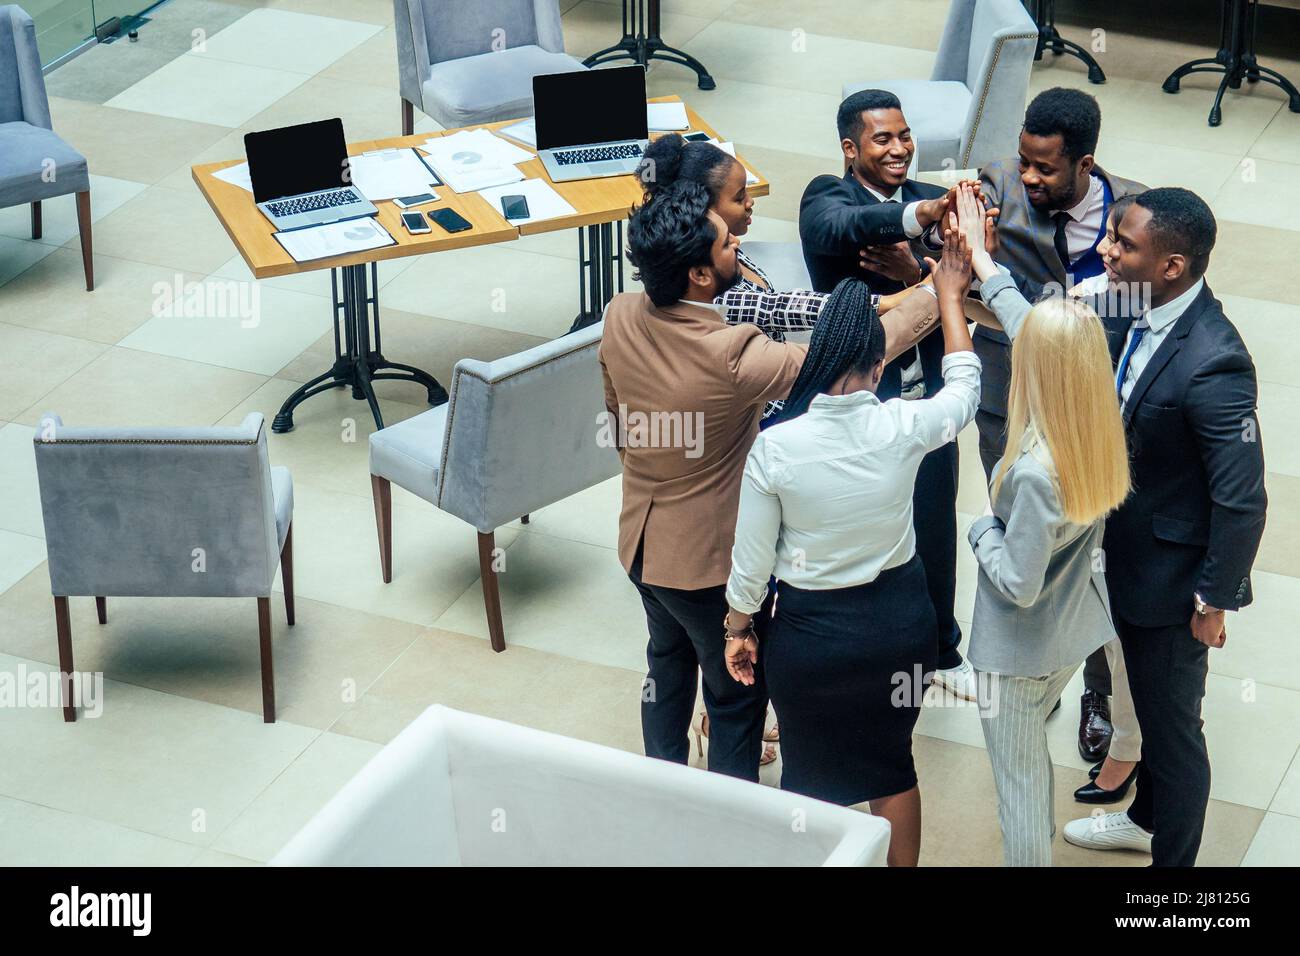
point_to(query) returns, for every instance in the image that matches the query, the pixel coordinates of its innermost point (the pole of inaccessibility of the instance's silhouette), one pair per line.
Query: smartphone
(402, 202)
(514, 207)
(450, 220)
(697, 137)
(415, 224)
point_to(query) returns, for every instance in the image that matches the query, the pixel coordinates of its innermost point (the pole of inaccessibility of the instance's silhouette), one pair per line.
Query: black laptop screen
(296, 159)
(589, 106)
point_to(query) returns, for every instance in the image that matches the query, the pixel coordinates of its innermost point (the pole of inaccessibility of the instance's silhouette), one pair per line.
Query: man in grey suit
(1053, 200)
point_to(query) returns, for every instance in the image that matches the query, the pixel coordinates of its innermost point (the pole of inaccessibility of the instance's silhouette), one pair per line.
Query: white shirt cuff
(911, 225)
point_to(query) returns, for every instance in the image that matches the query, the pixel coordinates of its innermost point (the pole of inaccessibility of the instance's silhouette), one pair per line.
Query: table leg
(642, 43)
(600, 271)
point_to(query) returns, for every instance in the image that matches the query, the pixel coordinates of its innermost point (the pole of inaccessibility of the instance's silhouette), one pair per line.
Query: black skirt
(847, 671)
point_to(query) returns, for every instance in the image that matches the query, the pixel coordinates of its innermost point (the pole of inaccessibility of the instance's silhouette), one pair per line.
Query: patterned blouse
(774, 312)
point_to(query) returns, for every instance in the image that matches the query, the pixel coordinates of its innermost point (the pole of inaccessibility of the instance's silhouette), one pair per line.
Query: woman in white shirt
(826, 506)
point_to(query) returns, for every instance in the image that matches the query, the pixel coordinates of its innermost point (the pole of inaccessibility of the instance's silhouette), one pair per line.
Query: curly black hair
(1072, 114)
(1181, 222)
(668, 236)
(671, 159)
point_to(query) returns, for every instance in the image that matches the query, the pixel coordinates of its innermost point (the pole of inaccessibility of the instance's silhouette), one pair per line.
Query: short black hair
(668, 236)
(1181, 222)
(848, 120)
(671, 158)
(1072, 113)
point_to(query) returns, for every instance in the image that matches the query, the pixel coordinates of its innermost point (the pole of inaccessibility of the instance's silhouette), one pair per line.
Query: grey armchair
(970, 110)
(464, 63)
(164, 512)
(516, 434)
(35, 164)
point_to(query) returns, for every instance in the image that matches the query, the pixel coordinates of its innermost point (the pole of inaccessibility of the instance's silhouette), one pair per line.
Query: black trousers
(993, 434)
(685, 643)
(1167, 667)
(934, 519)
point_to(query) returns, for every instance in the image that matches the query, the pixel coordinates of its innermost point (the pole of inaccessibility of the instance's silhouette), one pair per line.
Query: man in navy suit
(1179, 551)
(874, 223)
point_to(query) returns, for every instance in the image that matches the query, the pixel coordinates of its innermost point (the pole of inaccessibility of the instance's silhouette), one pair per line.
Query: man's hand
(952, 272)
(893, 262)
(1208, 627)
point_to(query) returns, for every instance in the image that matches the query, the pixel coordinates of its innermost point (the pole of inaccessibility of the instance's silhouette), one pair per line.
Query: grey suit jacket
(1041, 602)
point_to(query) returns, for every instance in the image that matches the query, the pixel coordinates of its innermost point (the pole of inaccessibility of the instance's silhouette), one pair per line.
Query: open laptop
(590, 123)
(300, 175)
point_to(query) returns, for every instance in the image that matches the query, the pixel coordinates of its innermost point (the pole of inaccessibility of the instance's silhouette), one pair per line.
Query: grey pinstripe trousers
(1014, 719)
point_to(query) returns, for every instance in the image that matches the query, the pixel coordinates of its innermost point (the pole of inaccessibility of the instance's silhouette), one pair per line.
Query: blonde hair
(1063, 395)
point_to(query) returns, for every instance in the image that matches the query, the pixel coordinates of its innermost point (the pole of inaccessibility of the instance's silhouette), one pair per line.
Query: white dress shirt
(826, 500)
(1085, 219)
(1159, 320)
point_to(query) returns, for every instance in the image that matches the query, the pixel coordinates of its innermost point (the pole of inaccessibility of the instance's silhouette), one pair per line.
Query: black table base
(600, 270)
(1235, 59)
(642, 43)
(358, 360)
(1050, 39)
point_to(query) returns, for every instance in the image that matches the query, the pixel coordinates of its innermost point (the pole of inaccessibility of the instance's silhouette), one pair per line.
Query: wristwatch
(1201, 607)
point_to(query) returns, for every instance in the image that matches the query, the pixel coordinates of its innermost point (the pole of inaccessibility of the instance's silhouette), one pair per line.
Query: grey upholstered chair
(164, 512)
(35, 164)
(464, 63)
(782, 261)
(970, 110)
(516, 435)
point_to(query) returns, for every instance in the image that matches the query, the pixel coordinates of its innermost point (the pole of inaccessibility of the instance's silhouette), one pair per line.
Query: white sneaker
(958, 681)
(1107, 831)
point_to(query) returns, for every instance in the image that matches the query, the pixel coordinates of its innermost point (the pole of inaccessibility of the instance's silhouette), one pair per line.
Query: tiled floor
(180, 769)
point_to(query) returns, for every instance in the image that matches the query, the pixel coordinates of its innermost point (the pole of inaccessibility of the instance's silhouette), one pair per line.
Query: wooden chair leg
(491, 589)
(101, 609)
(268, 671)
(83, 226)
(63, 625)
(381, 489)
(286, 573)
(408, 117)
(36, 220)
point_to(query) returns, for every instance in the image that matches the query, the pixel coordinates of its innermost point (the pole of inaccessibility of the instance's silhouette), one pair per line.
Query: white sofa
(456, 789)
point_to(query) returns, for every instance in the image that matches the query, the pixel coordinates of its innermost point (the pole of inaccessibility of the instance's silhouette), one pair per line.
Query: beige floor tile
(522, 685)
(1277, 843)
(592, 26)
(790, 173)
(19, 554)
(127, 144)
(18, 255)
(314, 282)
(234, 324)
(206, 649)
(211, 858)
(1255, 261)
(802, 60)
(1251, 732)
(1260, 648)
(126, 387)
(1278, 408)
(368, 112)
(590, 516)
(18, 490)
(435, 556)
(51, 296)
(59, 215)
(373, 63)
(920, 28)
(1260, 193)
(710, 9)
(206, 90)
(295, 796)
(1201, 171)
(1279, 551)
(32, 835)
(32, 363)
(1266, 328)
(257, 40)
(146, 228)
(1287, 798)
(364, 11)
(544, 578)
(1280, 140)
(229, 146)
(158, 763)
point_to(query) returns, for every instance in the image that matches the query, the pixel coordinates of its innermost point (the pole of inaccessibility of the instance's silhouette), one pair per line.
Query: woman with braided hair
(826, 507)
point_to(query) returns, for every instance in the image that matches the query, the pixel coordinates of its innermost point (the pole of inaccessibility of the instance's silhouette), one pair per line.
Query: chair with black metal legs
(1049, 38)
(642, 43)
(1235, 59)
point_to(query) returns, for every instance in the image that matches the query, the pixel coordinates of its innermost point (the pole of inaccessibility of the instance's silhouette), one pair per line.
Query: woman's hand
(952, 272)
(742, 654)
(979, 230)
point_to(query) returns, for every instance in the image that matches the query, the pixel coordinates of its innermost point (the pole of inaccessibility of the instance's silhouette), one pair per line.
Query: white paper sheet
(389, 173)
(475, 159)
(236, 176)
(666, 116)
(334, 239)
(543, 201)
(525, 131)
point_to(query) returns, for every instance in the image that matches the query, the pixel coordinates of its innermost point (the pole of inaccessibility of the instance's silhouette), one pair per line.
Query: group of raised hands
(970, 231)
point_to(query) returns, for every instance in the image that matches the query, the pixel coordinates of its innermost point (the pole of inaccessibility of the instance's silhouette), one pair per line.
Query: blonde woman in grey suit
(1041, 605)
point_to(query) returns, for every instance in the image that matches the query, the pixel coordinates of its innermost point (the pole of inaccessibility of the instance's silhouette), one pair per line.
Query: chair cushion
(282, 492)
(936, 111)
(490, 86)
(409, 453)
(25, 152)
(782, 261)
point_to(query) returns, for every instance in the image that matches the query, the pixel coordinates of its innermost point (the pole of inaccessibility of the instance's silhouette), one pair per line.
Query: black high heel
(1091, 793)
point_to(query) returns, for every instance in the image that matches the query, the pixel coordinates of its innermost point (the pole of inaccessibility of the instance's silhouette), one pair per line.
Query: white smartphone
(415, 223)
(405, 202)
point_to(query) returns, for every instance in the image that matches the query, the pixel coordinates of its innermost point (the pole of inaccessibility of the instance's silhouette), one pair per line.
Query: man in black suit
(865, 225)
(1179, 551)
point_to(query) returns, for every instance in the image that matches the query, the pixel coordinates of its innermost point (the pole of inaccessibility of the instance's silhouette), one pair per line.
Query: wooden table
(599, 204)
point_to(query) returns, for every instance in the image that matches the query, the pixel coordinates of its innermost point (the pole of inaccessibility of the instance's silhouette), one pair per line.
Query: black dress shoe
(1094, 726)
(1091, 793)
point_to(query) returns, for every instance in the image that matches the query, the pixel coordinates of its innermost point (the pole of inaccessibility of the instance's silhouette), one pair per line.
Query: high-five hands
(893, 261)
(952, 273)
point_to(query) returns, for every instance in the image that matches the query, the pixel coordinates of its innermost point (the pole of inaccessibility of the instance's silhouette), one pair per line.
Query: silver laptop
(300, 176)
(591, 123)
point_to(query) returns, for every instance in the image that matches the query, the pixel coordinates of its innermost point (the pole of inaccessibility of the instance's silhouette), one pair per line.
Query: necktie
(1062, 219)
(1139, 331)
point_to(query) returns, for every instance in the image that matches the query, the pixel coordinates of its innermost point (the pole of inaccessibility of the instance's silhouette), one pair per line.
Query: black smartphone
(450, 220)
(514, 207)
(696, 137)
